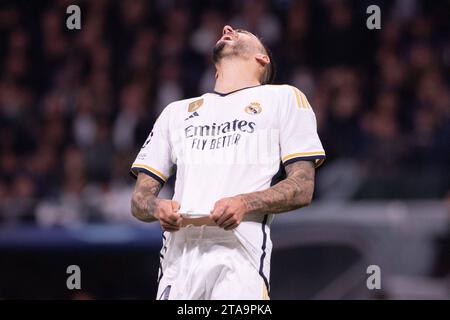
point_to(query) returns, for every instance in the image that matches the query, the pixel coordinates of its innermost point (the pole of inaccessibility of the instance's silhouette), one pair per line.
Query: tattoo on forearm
(144, 199)
(292, 193)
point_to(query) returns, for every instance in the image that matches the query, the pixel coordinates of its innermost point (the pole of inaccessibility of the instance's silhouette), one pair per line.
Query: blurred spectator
(256, 16)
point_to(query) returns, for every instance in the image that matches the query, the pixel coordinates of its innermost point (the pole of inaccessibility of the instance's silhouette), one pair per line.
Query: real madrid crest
(253, 108)
(195, 105)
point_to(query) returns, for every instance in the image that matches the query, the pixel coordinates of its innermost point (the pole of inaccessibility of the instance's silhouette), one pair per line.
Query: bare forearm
(292, 193)
(144, 199)
(142, 206)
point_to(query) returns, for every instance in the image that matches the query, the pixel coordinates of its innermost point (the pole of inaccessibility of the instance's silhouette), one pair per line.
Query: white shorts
(207, 263)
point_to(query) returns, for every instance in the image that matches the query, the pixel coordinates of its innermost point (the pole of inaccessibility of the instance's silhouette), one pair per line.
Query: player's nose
(227, 29)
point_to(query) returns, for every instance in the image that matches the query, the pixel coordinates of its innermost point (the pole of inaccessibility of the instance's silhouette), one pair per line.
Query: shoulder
(175, 107)
(285, 90)
(183, 103)
(290, 94)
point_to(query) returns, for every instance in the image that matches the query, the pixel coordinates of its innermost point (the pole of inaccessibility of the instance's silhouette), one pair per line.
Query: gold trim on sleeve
(303, 154)
(144, 166)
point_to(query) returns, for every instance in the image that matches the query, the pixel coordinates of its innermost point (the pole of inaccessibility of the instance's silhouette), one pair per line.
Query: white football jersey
(222, 145)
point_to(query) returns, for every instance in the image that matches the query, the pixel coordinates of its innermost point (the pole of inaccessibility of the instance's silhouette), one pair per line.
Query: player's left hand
(228, 212)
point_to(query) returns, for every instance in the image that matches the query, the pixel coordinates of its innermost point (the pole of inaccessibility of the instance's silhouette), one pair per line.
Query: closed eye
(242, 31)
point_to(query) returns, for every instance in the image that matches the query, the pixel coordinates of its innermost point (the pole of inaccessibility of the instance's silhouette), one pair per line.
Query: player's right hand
(166, 212)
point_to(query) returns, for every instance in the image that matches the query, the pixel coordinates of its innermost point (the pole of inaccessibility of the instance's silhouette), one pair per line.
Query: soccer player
(227, 149)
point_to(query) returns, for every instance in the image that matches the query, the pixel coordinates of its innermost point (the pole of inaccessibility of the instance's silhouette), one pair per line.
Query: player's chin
(220, 45)
(218, 48)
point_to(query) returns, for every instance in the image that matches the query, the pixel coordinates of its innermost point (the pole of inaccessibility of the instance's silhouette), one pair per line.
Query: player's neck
(233, 75)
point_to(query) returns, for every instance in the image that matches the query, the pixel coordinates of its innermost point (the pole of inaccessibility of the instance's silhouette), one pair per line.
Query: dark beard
(217, 51)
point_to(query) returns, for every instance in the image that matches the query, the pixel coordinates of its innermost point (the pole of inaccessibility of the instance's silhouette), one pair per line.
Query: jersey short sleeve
(298, 129)
(155, 156)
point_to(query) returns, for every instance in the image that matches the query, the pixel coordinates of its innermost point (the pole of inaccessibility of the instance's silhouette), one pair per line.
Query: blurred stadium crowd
(75, 106)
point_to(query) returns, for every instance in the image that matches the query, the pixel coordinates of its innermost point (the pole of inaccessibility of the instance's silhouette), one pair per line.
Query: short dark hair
(268, 76)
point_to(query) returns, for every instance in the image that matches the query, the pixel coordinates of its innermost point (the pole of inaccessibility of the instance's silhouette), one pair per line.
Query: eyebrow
(244, 31)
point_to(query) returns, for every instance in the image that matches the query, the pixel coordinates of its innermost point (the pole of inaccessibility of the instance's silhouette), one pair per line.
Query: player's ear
(262, 59)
